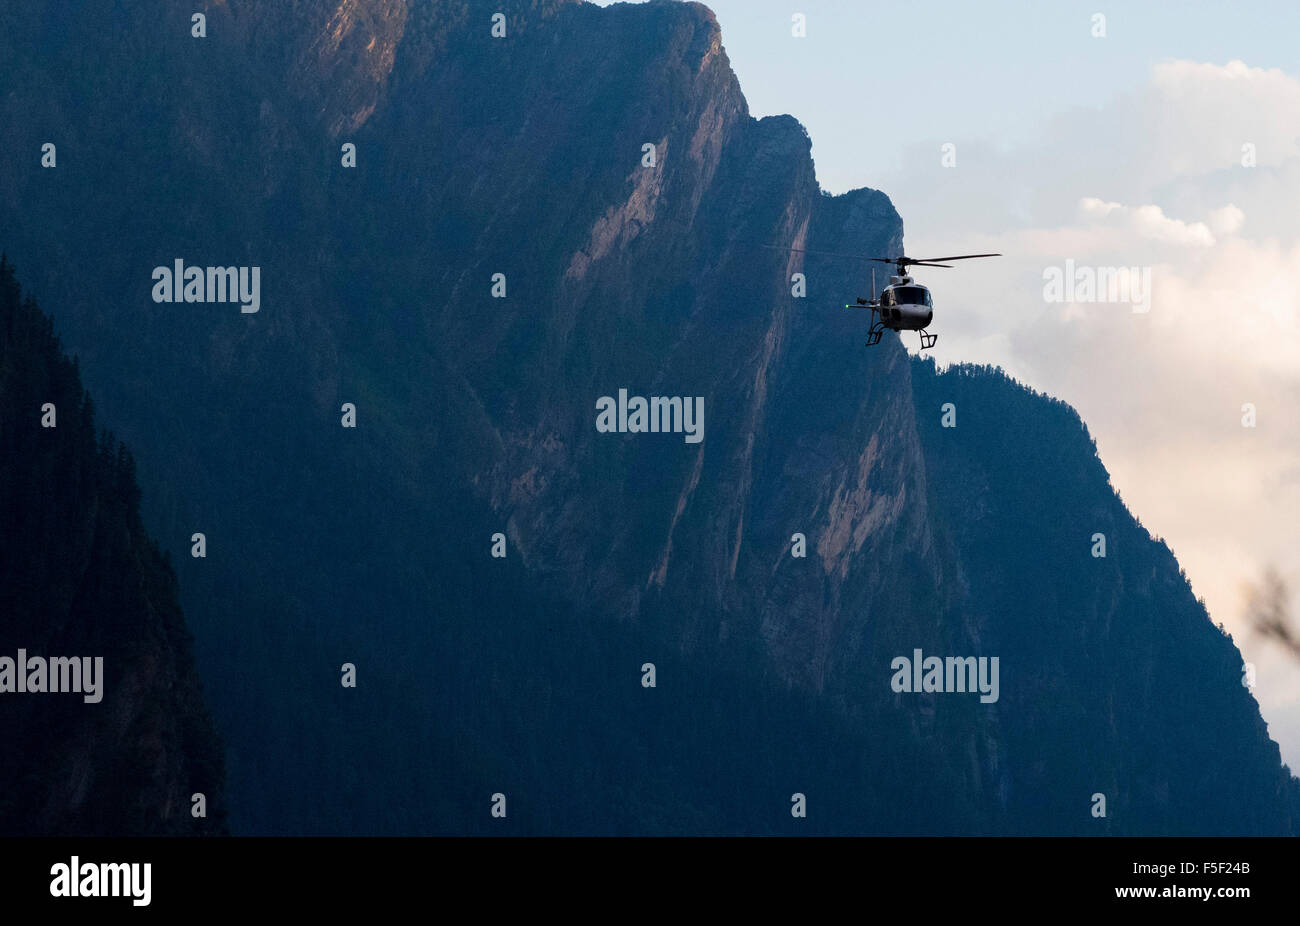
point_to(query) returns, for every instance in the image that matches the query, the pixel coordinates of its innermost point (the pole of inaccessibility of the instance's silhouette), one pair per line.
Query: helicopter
(903, 305)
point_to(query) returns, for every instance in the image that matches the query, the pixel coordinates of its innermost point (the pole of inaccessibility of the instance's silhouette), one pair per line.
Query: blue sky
(994, 70)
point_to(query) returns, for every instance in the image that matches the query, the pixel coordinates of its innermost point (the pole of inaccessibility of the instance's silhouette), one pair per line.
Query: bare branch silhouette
(1268, 607)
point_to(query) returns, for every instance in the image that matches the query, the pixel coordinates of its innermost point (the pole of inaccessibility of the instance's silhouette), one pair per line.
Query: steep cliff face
(504, 254)
(80, 579)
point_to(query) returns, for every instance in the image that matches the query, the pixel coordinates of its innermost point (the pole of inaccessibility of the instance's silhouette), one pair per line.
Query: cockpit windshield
(912, 295)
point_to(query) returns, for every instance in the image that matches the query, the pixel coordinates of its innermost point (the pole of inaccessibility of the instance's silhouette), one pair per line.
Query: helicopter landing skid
(877, 327)
(927, 339)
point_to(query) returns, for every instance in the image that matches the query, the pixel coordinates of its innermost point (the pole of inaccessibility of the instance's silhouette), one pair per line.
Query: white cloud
(1148, 221)
(1228, 220)
(1154, 180)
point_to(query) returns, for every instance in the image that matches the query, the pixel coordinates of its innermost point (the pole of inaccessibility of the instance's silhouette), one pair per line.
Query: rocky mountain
(1144, 694)
(537, 220)
(123, 748)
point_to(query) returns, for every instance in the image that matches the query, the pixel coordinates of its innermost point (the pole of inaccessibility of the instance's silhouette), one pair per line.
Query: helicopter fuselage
(906, 317)
(906, 306)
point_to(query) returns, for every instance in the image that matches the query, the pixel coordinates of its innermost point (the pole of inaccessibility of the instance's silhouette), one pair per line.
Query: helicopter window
(912, 295)
(887, 297)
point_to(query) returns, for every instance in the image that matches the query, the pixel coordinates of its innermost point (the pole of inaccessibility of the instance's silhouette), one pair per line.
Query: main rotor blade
(897, 261)
(930, 260)
(774, 247)
(906, 262)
